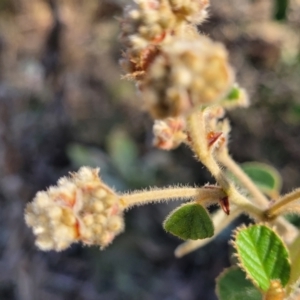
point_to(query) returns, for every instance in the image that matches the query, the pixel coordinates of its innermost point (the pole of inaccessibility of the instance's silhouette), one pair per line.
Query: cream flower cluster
(80, 208)
(169, 133)
(146, 22)
(188, 73)
(176, 68)
(149, 23)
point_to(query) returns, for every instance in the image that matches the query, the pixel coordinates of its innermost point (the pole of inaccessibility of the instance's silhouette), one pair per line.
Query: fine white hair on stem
(171, 193)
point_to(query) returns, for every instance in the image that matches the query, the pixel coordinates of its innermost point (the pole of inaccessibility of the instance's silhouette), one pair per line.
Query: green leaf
(236, 97)
(292, 115)
(294, 219)
(122, 151)
(233, 285)
(267, 178)
(234, 94)
(190, 221)
(281, 8)
(84, 156)
(262, 255)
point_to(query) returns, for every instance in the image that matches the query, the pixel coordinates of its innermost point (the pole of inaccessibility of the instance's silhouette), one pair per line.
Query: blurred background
(63, 105)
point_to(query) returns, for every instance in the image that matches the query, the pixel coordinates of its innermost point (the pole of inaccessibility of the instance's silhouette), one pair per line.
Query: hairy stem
(197, 132)
(245, 205)
(226, 160)
(171, 193)
(286, 229)
(280, 204)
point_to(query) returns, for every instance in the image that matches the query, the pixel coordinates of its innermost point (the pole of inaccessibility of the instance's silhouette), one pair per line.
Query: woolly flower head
(144, 25)
(146, 22)
(147, 25)
(150, 21)
(169, 133)
(80, 208)
(186, 74)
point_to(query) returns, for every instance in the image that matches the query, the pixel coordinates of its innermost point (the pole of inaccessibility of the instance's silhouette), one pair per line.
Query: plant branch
(280, 204)
(197, 132)
(171, 193)
(226, 160)
(286, 229)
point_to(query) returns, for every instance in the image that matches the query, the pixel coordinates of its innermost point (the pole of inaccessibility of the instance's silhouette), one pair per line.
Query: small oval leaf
(266, 178)
(233, 94)
(236, 97)
(190, 221)
(233, 285)
(262, 255)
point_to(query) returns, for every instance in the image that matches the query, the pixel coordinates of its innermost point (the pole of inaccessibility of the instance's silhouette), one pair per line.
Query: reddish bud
(212, 137)
(224, 203)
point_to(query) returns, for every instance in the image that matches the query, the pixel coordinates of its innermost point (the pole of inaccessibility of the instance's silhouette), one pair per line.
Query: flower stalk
(211, 193)
(226, 160)
(199, 144)
(283, 204)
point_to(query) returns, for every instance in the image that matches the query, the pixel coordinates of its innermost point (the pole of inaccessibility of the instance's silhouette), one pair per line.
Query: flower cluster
(80, 208)
(169, 133)
(175, 68)
(147, 24)
(186, 74)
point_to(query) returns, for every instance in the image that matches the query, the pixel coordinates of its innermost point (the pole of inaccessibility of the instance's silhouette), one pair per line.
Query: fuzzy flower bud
(186, 74)
(217, 127)
(169, 133)
(80, 208)
(146, 22)
(237, 97)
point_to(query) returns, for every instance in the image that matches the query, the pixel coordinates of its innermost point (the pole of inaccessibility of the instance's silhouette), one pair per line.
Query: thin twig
(258, 197)
(171, 193)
